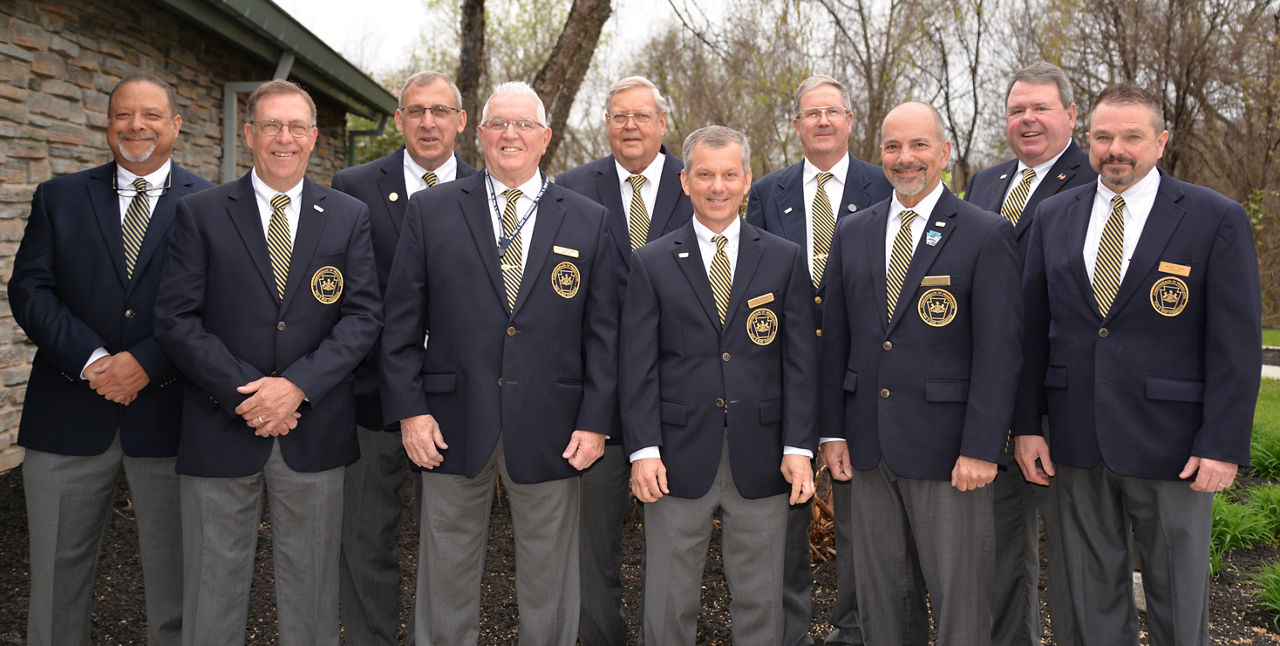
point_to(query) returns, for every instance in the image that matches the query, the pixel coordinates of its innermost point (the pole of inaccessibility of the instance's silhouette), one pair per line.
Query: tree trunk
(562, 73)
(471, 69)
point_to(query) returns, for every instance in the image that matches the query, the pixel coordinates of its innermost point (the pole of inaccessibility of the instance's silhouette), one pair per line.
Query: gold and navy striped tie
(824, 228)
(1017, 199)
(279, 244)
(721, 279)
(899, 259)
(134, 228)
(1106, 271)
(639, 216)
(511, 268)
(430, 178)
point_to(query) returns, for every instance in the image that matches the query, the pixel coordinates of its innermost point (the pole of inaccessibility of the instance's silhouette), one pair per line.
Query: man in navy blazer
(517, 281)
(639, 183)
(269, 300)
(1039, 119)
(718, 390)
(919, 362)
(102, 395)
(430, 117)
(1150, 376)
(784, 203)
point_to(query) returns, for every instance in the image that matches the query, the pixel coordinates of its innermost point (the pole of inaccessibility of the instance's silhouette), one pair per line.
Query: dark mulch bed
(118, 616)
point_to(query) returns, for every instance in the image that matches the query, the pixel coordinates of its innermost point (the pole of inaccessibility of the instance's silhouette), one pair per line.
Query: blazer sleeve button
(281, 326)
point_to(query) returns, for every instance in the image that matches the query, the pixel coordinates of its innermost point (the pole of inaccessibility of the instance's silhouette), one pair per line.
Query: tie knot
(1028, 174)
(720, 241)
(279, 202)
(906, 217)
(636, 181)
(822, 179)
(429, 178)
(1117, 203)
(512, 194)
(140, 185)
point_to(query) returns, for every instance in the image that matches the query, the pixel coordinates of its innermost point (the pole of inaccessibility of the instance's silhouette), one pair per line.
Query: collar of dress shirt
(923, 209)
(446, 172)
(652, 173)
(704, 234)
(838, 172)
(125, 177)
(1138, 198)
(264, 194)
(1040, 169)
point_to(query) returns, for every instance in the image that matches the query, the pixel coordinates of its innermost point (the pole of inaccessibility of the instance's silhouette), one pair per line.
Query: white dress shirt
(1138, 199)
(528, 193)
(263, 194)
(707, 249)
(1040, 169)
(649, 192)
(834, 188)
(413, 182)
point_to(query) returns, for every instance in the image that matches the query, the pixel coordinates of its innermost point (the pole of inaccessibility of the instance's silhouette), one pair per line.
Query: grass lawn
(1267, 415)
(1271, 337)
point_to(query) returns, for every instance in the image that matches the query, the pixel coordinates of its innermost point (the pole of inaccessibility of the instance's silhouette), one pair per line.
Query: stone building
(59, 60)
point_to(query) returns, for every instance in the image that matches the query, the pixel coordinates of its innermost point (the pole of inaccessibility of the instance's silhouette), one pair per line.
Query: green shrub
(1235, 526)
(1268, 581)
(1265, 499)
(1264, 452)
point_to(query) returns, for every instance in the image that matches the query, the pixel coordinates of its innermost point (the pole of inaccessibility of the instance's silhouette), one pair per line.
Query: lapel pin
(317, 207)
(931, 238)
(683, 254)
(1062, 176)
(853, 207)
(393, 196)
(1004, 176)
(787, 210)
(939, 224)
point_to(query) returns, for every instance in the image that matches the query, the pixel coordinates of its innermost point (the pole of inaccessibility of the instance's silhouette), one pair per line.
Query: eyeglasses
(272, 128)
(152, 191)
(500, 124)
(437, 111)
(833, 113)
(619, 120)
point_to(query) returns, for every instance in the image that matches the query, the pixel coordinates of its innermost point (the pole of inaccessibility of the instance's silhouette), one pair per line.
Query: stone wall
(58, 63)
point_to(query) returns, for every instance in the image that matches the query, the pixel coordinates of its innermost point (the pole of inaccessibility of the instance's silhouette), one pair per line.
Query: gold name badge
(326, 285)
(935, 281)
(565, 251)
(565, 279)
(937, 307)
(1169, 296)
(762, 325)
(1175, 269)
(760, 300)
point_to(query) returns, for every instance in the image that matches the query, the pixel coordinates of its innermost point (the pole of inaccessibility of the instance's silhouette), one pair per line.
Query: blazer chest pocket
(946, 390)
(439, 382)
(673, 413)
(1055, 377)
(1176, 390)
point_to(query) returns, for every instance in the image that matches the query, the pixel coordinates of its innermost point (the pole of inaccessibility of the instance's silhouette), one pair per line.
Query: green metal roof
(267, 31)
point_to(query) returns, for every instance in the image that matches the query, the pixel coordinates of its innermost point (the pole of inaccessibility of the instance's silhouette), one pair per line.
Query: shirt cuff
(792, 450)
(97, 354)
(646, 453)
(824, 440)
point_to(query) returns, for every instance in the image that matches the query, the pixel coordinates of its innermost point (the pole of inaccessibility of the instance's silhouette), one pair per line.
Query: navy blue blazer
(922, 394)
(375, 183)
(533, 376)
(776, 204)
(987, 188)
(1172, 371)
(684, 376)
(599, 181)
(70, 294)
(218, 317)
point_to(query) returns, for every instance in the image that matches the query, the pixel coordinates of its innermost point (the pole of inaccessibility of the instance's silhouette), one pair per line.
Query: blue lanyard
(505, 241)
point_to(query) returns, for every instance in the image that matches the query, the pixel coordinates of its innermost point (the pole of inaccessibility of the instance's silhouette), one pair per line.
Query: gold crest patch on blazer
(326, 284)
(762, 326)
(937, 307)
(565, 279)
(1169, 296)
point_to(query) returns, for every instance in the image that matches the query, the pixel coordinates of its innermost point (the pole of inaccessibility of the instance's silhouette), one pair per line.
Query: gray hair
(632, 82)
(420, 79)
(515, 88)
(1042, 72)
(274, 87)
(816, 81)
(718, 137)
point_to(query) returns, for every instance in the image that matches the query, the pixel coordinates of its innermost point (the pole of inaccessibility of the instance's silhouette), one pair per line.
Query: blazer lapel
(545, 226)
(311, 221)
(475, 211)
(664, 205)
(392, 183)
(609, 191)
(790, 203)
(749, 253)
(106, 206)
(942, 221)
(875, 258)
(688, 258)
(242, 208)
(855, 194)
(1077, 225)
(1161, 223)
